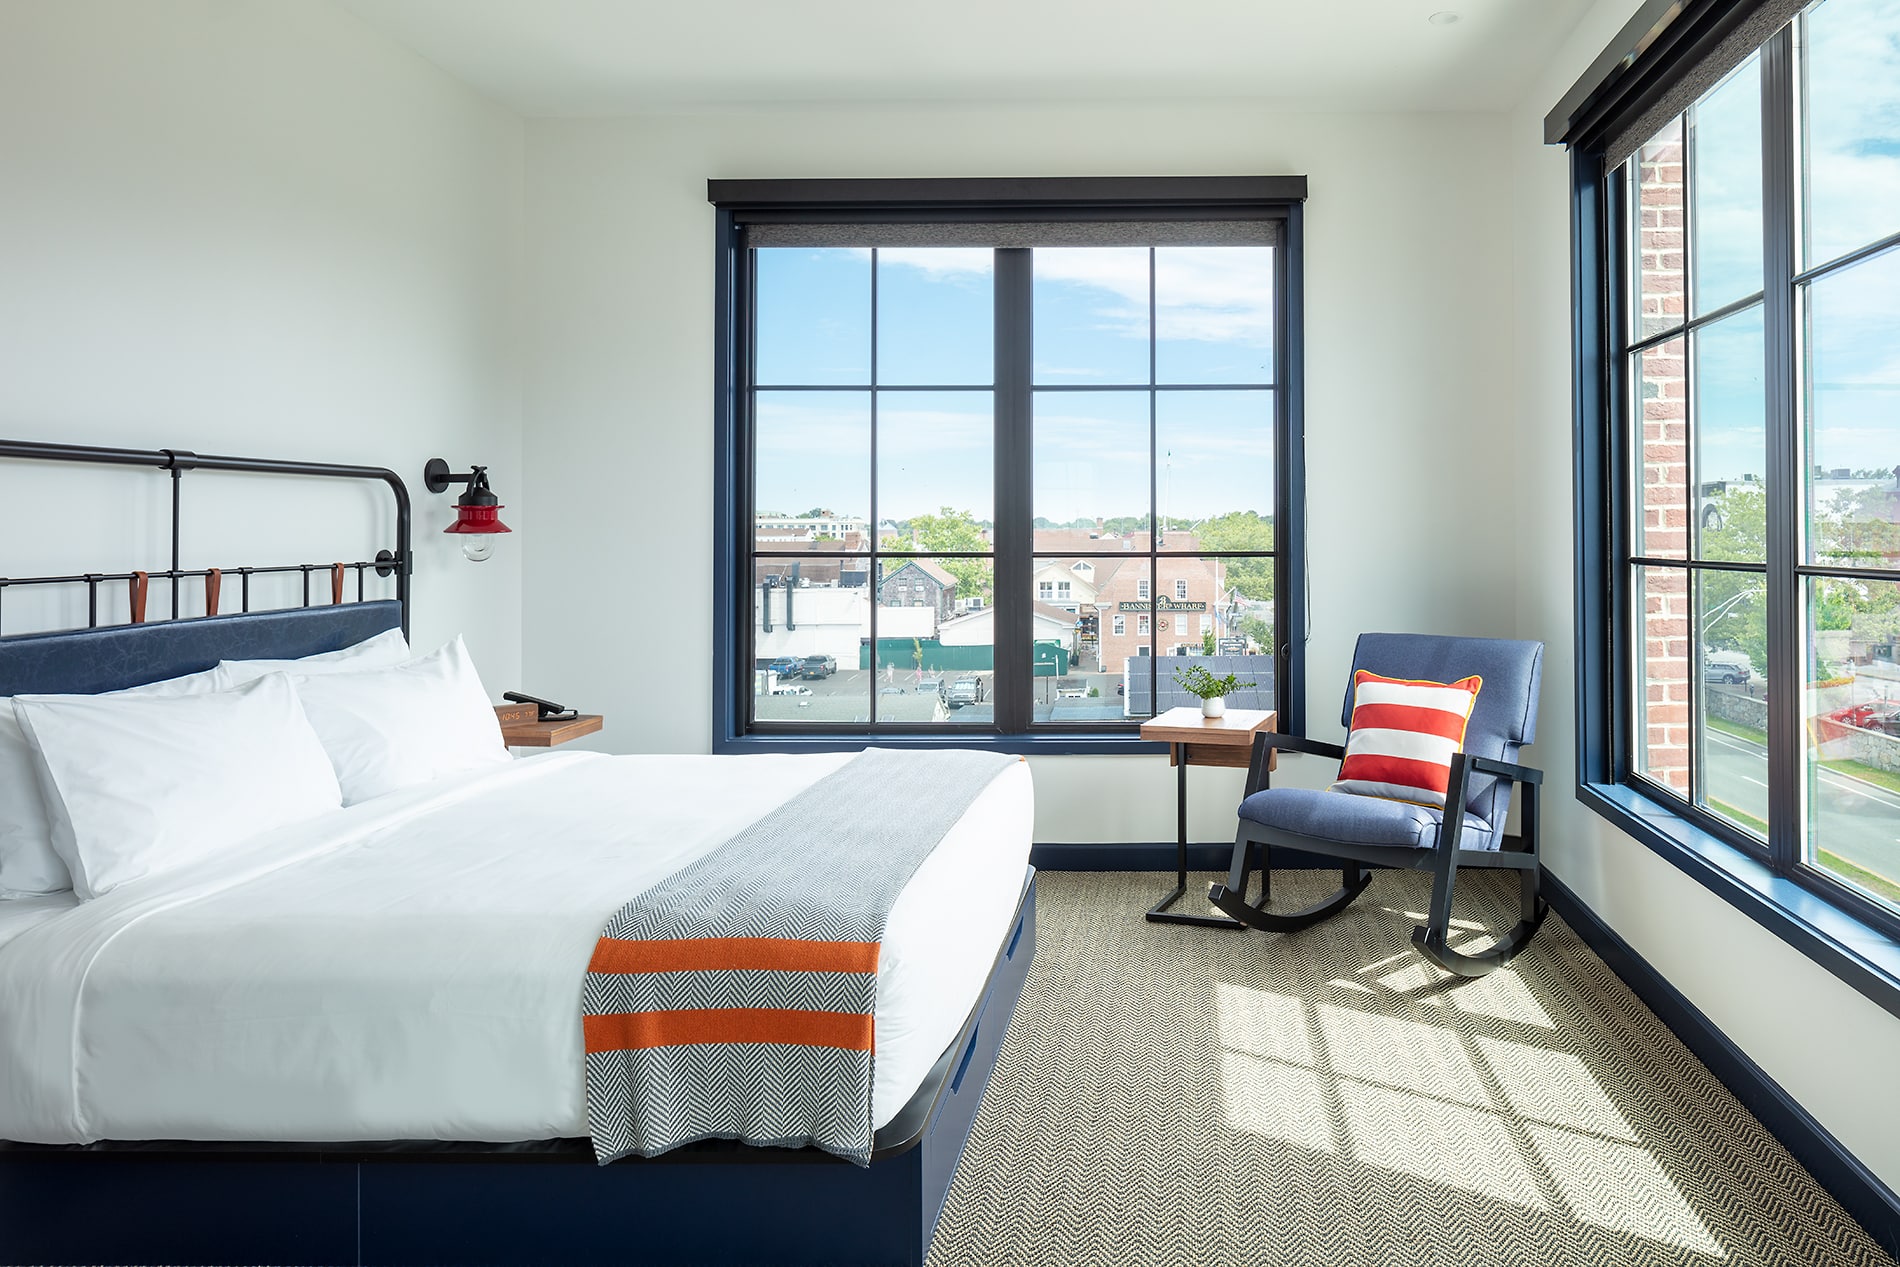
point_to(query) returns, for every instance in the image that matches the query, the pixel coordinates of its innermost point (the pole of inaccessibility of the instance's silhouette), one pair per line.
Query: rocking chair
(1368, 830)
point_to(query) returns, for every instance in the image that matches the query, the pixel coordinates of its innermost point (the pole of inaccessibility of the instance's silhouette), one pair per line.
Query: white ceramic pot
(1214, 707)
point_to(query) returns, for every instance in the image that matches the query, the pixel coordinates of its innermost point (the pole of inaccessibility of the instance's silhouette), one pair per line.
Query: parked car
(930, 685)
(965, 690)
(1733, 667)
(817, 666)
(786, 666)
(1881, 715)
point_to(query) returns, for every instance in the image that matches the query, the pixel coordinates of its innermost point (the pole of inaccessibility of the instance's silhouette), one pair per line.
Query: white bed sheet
(410, 968)
(17, 914)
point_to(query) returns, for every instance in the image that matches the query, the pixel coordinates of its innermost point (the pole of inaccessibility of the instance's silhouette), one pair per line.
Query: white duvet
(410, 968)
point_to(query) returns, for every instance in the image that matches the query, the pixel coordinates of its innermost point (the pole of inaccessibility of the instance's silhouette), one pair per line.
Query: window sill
(1863, 957)
(1078, 744)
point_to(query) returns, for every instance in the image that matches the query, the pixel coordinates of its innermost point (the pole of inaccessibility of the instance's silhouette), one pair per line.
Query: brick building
(1125, 610)
(1669, 642)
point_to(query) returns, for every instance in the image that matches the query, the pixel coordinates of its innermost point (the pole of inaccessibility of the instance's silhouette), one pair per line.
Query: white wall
(1822, 1041)
(1408, 404)
(259, 229)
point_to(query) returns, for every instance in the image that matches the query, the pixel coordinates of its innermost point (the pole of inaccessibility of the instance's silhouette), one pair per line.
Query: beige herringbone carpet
(1182, 1095)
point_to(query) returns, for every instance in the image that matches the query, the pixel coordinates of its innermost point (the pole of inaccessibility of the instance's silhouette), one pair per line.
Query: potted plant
(1210, 690)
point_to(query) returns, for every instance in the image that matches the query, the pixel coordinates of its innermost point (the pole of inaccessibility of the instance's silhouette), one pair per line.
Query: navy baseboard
(1872, 1203)
(1159, 856)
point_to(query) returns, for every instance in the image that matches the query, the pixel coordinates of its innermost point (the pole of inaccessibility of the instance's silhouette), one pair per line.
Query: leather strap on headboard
(137, 589)
(336, 583)
(214, 586)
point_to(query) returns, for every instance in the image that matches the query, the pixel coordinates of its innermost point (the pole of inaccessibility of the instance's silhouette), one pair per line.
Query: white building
(978, 629)
(824, 621)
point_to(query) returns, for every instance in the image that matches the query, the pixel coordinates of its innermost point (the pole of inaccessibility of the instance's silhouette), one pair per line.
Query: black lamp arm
(437, 476)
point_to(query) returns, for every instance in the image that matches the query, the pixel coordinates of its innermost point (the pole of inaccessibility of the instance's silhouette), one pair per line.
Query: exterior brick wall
(1669, 652)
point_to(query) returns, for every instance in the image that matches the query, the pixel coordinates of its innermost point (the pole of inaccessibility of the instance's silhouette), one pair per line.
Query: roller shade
(1731, 51)
(1670, 53)
(1020, 234)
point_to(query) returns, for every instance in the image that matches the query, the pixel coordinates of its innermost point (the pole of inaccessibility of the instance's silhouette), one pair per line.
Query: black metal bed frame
(399, 562)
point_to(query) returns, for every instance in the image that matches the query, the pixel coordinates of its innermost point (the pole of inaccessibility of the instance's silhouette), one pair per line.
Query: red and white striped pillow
(1403, 736)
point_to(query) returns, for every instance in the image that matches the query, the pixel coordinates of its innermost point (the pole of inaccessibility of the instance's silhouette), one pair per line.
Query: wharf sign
(1160, 605)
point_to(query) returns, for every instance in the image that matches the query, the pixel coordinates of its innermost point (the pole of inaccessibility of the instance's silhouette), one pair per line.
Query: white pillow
(141, 785)
(386, 648)
(387, 729)
(29, 865)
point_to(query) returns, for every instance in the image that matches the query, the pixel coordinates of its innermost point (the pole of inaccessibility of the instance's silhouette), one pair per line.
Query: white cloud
(941, 263)
(1205, 294)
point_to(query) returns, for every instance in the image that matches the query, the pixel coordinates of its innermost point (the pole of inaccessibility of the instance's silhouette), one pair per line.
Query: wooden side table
(1192, 739)
(547, 734)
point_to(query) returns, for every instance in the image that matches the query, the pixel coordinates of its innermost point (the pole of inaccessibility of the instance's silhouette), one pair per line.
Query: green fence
(930, 655)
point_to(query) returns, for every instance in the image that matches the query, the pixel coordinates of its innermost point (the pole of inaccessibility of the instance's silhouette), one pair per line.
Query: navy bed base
(421, 1203)
(432, 1202)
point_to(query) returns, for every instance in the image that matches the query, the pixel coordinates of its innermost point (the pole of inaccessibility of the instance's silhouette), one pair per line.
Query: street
(1849, 817)
(908, 696)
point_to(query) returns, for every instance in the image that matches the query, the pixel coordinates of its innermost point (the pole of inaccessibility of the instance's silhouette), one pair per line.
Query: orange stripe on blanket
(626, 1031)
(729, 954)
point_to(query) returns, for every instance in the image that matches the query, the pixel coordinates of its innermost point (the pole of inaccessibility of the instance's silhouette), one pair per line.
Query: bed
(356, 1040)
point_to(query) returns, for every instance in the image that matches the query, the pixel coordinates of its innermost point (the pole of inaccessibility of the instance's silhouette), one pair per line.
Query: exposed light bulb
(477, 547)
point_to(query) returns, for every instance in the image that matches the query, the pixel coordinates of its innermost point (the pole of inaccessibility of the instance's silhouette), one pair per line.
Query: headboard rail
(397, 562)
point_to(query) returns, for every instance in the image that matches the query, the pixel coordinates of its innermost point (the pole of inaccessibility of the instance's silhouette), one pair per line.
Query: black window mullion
(1611, 395)
(875, 597)
(1786, 752)
(1289, 492)
(1014, 628)
(745, 485)
(1154, 508)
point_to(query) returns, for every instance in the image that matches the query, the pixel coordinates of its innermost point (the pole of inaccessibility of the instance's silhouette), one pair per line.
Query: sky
(1851, 198)
(1213, 310)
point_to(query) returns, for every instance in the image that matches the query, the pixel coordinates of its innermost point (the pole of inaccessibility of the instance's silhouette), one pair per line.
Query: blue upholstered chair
(1364, 830)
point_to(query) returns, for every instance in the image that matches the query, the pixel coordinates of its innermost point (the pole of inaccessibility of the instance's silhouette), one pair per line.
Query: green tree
(949, 530)
(1734, 604)
(1242, 530)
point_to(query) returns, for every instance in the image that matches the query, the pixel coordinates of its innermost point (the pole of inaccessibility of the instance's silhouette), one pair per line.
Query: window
(1742, 670)
(1104, 379)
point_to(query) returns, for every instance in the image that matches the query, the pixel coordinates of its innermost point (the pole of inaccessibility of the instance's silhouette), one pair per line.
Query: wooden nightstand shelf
(547, 734)
(1196, 740)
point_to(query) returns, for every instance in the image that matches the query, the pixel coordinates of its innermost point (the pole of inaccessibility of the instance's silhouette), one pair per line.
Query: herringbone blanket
(736, 998)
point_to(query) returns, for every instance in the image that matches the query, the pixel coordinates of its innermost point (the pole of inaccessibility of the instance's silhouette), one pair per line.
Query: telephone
(546, 710)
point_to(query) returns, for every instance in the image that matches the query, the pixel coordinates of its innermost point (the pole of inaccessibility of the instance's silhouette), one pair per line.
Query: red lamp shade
(481, 519)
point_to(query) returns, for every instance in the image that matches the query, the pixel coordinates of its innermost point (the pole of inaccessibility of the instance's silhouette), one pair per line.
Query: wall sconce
(477, 511)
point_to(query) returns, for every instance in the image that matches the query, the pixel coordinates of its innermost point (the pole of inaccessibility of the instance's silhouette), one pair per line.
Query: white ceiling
(603, 57)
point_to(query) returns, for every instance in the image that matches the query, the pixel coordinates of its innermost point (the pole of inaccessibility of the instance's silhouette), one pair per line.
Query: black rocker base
(1432, 945)
(1259, 917)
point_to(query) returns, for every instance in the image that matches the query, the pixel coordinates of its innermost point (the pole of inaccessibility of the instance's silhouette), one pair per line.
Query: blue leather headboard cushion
(88, 661)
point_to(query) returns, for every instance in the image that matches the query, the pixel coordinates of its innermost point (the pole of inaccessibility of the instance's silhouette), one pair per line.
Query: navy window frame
(1852, 936)
(738, 203)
